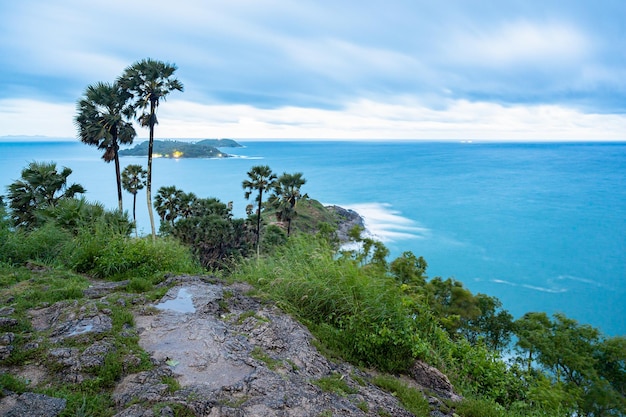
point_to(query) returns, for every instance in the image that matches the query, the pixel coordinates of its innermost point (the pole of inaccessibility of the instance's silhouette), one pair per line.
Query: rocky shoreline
(347, 219)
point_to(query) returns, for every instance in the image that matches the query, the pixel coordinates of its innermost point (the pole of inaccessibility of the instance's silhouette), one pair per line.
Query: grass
(410, 398)
(335, 383)
(258, 354)
(358, 314)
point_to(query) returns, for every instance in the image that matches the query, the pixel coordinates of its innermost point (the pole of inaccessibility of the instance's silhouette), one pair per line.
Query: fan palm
(133, 180)
(41, 186)
(103, 120)
(285, 197)
(149, 81)
(261, 178)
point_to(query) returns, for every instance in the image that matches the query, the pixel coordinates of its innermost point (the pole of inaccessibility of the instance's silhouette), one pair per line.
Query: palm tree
(261, 179)
(40, 187)
(285, 197)
(149, 82)
(103, 120)
(168, 203)
(133, 180)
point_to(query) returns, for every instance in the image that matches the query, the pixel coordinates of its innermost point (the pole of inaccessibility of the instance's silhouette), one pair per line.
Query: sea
(540, 226)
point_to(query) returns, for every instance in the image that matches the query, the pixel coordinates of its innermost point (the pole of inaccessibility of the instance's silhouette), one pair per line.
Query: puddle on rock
(81, 328)
(183, 303)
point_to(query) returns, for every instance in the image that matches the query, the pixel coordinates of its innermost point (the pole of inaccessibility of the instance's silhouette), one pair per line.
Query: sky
(328, 69)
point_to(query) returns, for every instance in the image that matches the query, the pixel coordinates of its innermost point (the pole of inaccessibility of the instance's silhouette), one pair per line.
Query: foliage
(261, 179)
(104, 120)
(204, 224)
(335, 383)
(412, 399)
(149, 81)
(586, 367)
(214, 236)
(359, 314)
(41, 186)
(285, 196)
(133, 180)
(73, 215)
(42, 245)
(119, 257)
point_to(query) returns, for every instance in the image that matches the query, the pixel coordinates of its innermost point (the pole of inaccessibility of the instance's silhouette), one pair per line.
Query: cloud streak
(538, 70)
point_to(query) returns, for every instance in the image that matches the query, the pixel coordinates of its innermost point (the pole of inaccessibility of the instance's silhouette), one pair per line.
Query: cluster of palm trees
(285, 195)
(106, 111)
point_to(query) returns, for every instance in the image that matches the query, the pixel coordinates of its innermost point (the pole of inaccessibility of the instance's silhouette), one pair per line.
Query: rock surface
(31, 405)
(216, 352)
(347, 220)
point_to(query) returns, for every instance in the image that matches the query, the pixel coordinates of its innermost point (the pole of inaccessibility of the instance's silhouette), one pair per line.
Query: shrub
(44, 244)
(142, 257)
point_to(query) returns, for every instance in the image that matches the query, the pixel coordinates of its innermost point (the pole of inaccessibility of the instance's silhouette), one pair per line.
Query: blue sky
(454, 69)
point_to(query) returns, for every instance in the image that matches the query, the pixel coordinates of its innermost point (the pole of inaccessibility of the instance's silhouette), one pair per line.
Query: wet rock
(31, 405)
(252, 361)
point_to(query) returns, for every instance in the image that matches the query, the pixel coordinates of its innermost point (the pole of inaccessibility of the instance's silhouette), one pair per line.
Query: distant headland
(207, 148)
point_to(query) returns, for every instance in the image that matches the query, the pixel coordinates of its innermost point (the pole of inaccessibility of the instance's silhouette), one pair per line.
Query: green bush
(143, 257)
(44, 245)
(479, 408)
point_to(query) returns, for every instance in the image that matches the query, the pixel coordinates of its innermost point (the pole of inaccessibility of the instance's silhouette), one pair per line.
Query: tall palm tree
(149, 81)
(285, 197)
(133, 180)
(104, 120)
(261, 178)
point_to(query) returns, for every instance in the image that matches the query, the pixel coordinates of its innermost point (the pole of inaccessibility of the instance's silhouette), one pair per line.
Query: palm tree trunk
(258, 221)
(134, 212)
(118, 176)
(149, 179)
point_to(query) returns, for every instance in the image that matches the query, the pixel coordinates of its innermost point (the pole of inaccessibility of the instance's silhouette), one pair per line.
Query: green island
(207, 148)
(288, 311)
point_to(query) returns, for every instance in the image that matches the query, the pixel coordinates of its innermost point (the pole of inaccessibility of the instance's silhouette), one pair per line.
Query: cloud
(521, 43)
(397, 69)
(402, 119)
(31, 117)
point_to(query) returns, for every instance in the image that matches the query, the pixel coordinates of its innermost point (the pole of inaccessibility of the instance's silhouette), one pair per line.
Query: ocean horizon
(540, 225)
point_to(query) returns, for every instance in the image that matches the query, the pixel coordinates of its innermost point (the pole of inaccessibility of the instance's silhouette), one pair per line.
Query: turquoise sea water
(542, 226)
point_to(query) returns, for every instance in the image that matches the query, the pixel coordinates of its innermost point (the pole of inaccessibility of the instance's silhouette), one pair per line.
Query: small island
(207, 148)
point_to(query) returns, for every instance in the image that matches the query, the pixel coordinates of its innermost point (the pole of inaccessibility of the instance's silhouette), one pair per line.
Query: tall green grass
(361, 315)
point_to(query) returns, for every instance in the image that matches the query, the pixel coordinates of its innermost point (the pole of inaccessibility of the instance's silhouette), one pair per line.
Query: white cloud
(404, 119)
(520, 43)
(363, 119)
(31, 117)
